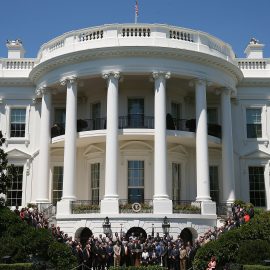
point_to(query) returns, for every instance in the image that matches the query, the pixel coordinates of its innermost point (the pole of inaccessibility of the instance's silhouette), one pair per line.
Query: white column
(162, 204)
(110, 202)
(70, 140)
(44, 150)
(228, 179)
(202, 163)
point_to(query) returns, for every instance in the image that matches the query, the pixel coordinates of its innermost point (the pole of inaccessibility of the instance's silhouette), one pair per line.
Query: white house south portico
(134, 122)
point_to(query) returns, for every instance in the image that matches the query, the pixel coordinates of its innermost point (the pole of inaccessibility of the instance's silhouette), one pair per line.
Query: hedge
(149, 267)
(16, 266)
(231, 244)
(256, 267)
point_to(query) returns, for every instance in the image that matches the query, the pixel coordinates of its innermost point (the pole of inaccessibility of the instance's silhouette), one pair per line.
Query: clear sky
(36, 22)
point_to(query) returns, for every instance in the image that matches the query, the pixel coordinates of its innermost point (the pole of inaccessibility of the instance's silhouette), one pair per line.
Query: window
(212, 116)
(136, 113)
(135, 181)
(176, 181)
(60, 117)
(214, 186)
(96, 113)
(95, 178)
(57, 184)
(176, 114)
(257, 186)
(17, 122)
(254, 124)
(14, 193)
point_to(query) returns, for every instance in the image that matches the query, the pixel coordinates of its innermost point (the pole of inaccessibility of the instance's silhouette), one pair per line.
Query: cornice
(16, 82)
(131, 51)
(255, 82)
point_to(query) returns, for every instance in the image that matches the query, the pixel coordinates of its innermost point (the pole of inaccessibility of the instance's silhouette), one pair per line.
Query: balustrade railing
(91, 35)
(136, 121)
(136, 32)
(181, 35)
(190, 126)
(85, 206)
(224, 209)
(21, 64)
(252, 64)
(126, 206)
(186, 207)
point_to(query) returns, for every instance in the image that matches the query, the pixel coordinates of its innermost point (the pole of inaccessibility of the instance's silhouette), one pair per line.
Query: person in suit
(79, 256)
(117, 254)
(87, 256)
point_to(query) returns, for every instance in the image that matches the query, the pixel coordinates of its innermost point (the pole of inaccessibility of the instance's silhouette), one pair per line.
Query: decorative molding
(114, 74)
(41, 91)
(161, 75)
(69, 79)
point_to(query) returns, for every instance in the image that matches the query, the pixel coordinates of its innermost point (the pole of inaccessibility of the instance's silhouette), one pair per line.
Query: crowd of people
(104, 251)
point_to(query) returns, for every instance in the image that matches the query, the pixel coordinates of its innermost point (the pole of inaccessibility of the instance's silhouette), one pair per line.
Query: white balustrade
(252, 64)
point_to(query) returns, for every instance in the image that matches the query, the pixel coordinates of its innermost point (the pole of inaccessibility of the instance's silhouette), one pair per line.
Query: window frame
(91, 181)
(7, 134)
(52, 184)
(22, 185)
(246, 122)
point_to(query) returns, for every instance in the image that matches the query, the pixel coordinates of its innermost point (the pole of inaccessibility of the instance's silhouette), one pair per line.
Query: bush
(16, 266)
(256, 267)
(149, 267)
(226, 248)
(253, 251)
(61, 257)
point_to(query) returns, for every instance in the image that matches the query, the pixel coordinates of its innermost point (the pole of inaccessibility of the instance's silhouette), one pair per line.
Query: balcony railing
(190, 126)
(223, 209)
(85, 207)
(186, 207)
(125, 206)
(136, 121)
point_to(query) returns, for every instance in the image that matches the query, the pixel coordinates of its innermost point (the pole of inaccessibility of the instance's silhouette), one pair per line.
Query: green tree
(7, 172)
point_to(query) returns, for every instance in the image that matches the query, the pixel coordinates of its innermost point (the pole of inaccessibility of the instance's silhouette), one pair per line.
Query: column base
(162, 206)
(208, 208)
(63, 207)
(109, 206)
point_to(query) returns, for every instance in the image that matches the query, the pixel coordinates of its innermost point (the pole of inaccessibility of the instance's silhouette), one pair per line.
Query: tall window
(212, 115)
(176, 181)
(254, 123)
(176, 114)
(257, 186)
(57, 184)
(60, 117)
(95, 179)
(17, 122)
(135, 181)
(14, 193)
(136, 112)
(96, 113)
(214, 186)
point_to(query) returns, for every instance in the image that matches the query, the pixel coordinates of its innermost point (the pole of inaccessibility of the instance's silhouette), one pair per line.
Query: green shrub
(61, 257)
(149, 267)
(16, 266)
(256, 267)
(253, 251)
(226, 248)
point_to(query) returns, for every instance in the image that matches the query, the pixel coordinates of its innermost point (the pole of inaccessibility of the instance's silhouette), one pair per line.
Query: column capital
(41, 91)
(161, 74)
(114, 74)
(199, 81)
(70, 79)
(224, 90)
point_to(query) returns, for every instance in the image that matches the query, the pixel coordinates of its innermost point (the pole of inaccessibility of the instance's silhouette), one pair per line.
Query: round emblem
(136, 207)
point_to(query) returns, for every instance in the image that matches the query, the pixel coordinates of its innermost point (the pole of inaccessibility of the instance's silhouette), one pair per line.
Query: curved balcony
(137, 35)
(136, 121)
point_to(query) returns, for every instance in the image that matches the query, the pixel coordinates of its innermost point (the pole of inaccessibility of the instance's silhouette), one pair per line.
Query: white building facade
(136, 122)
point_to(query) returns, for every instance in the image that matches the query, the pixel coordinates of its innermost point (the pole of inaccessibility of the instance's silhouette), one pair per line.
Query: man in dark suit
(87, 256)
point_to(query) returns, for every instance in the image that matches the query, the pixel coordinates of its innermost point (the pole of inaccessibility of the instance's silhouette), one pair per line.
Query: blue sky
(36, 22)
